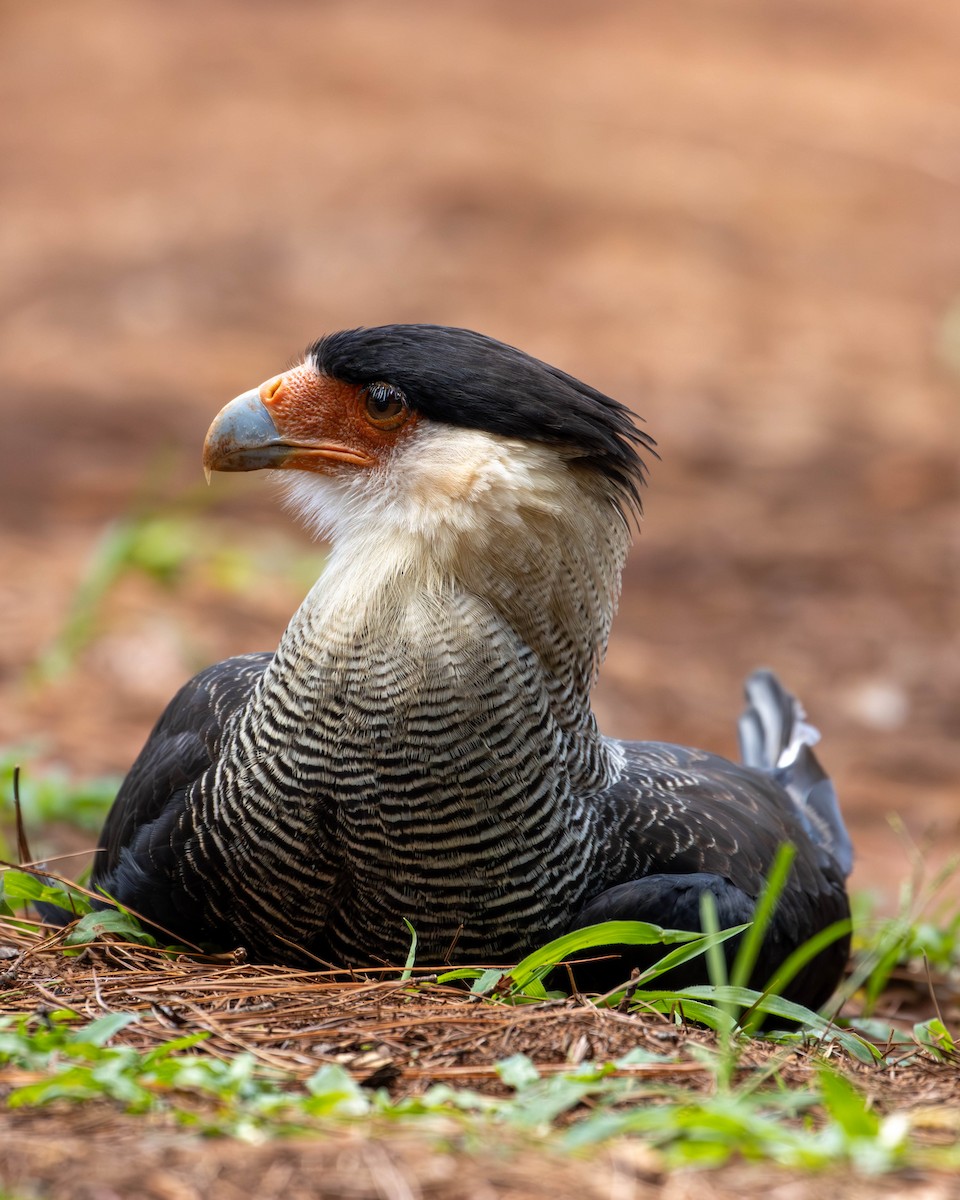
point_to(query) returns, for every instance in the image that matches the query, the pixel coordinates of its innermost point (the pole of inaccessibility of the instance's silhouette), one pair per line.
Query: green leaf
(934, 1035)
(517, 1072)
(638, 1056)
(100, 1031)
(94, 925)
(19, 885)
(459, 974)
(25, 887)
(53, 795)
(486, 981)
(689, 1008)
(186, 1042)
(848, 1107)
(333, 1090)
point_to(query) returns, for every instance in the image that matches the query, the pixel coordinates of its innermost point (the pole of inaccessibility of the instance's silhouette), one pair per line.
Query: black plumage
(464, 378)
(421, 745)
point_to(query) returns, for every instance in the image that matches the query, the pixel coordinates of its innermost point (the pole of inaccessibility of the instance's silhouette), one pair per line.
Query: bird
(421, 745)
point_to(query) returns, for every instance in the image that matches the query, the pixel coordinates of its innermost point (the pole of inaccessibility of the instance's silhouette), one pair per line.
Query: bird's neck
(541, 584)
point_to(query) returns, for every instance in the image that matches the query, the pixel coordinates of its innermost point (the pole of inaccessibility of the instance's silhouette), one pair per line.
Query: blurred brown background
(741, 218)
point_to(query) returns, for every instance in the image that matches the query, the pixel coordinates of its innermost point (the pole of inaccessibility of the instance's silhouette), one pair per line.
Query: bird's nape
(463, 378)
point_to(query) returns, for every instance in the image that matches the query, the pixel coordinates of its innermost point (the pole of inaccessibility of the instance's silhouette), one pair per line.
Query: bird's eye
(385, 406)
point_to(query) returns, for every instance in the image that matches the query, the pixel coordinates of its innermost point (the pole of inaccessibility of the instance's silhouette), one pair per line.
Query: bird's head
(419, 442)
(428, 416)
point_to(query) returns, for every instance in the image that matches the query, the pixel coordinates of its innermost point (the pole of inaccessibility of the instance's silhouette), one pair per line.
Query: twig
(23, 847)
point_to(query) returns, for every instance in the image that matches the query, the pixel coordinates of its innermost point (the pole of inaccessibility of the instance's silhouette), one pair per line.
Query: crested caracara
(421, 744)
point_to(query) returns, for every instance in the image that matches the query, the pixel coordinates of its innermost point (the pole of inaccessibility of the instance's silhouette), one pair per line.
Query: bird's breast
(427, 775)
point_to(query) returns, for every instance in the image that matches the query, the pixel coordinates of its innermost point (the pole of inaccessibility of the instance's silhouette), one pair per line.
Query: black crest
(467, 379)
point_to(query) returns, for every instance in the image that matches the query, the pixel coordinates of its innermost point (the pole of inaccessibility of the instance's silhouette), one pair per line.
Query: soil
(389, 1035)
(384, 1164)
(738, 216)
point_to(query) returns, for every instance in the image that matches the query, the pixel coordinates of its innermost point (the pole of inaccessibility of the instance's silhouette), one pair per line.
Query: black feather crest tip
(464, 378)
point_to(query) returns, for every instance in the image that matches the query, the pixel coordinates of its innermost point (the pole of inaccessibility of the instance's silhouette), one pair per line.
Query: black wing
(683, 810)
(683, 822)
(184, 743)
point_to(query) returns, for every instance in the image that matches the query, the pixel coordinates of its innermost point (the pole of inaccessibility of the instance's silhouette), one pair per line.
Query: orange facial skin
(326, 421)
(302, 420)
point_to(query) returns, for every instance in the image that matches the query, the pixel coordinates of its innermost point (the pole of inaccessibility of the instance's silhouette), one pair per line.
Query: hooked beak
(285, 423)
(243, 437)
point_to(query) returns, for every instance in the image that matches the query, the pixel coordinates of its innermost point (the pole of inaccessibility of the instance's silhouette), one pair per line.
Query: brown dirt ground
(740, 216)
(387, 1036)
(132, 1159)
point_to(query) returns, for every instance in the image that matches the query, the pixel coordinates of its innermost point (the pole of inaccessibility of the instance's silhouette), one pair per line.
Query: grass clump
(51, 1058)
(236, 1064)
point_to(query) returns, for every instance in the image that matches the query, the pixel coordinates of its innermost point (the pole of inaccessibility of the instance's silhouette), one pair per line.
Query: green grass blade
(796, 961)
(775, 1006)
(749, 949)
(460, 975)
(846, 1105)
(411, 953)
(101, 1030)
(710, 924)
(682, 954)
(593, 937)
